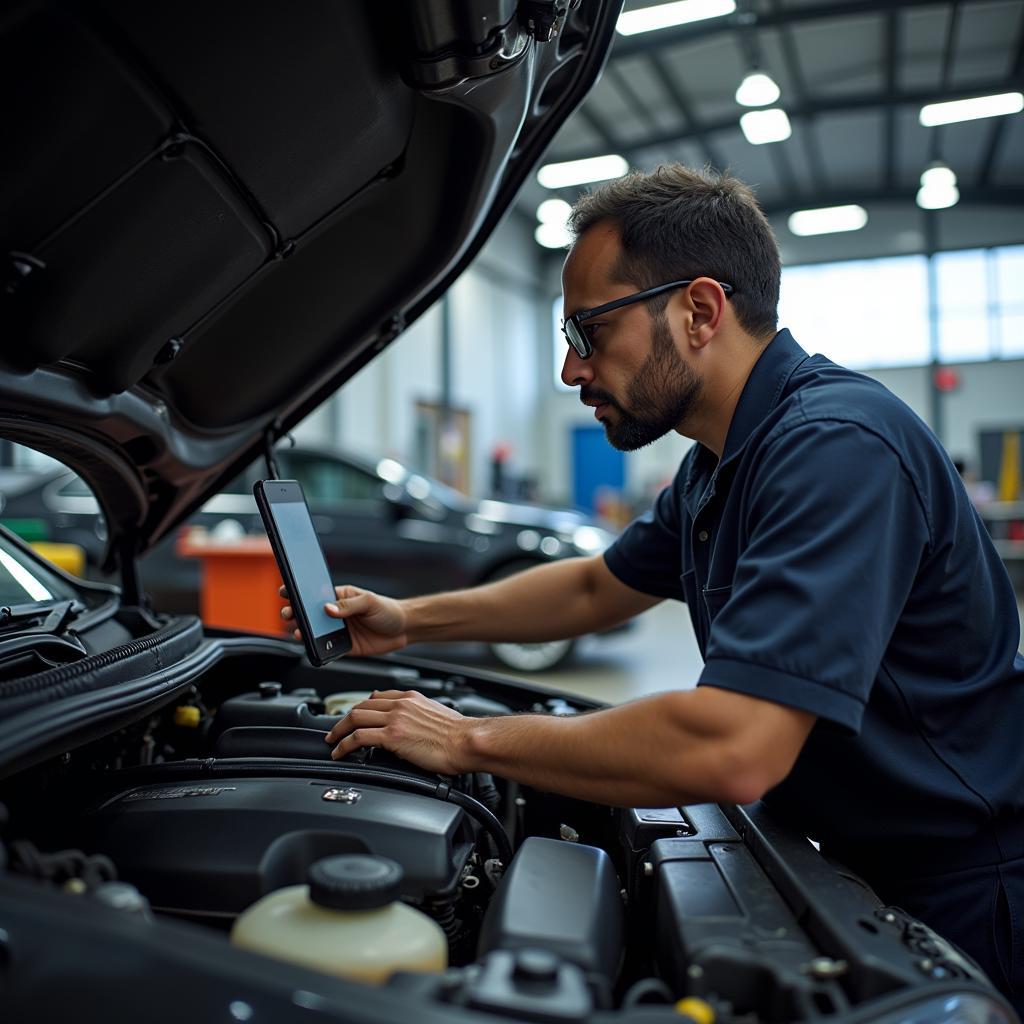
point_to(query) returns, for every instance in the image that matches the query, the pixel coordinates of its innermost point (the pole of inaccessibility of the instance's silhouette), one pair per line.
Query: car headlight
(591, 540)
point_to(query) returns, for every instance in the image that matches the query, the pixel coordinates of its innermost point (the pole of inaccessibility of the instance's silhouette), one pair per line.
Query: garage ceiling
(854, 75)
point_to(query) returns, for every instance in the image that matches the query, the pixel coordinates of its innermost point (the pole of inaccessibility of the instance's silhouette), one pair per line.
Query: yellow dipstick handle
(187, 716)
(696, 1009)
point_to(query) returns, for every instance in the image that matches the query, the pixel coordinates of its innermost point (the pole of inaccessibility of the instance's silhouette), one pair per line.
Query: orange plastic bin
(240, 581)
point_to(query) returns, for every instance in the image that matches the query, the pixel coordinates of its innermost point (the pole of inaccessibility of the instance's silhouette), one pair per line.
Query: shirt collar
(761, 393)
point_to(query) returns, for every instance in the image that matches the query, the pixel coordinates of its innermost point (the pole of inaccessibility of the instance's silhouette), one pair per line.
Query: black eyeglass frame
(572, 325)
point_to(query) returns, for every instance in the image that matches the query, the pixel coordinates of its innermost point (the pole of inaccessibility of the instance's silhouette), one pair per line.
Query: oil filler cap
(354, 881)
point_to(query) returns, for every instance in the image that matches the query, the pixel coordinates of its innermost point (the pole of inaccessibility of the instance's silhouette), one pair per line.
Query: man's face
(639, 384)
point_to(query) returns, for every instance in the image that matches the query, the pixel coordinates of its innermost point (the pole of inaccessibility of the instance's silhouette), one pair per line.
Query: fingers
(354, 718)
(373, 712)
(378, 702)
(356, 605)
(364, 717)
(356, 740)
(351, 601)
(286, 612)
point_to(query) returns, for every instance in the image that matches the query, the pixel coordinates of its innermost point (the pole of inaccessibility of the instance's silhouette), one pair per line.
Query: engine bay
(550, 908)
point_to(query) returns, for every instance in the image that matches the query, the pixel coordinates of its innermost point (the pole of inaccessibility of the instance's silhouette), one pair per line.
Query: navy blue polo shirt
(832, 561)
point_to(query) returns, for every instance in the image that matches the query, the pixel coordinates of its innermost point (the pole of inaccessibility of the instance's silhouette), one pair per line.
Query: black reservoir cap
(354, 881)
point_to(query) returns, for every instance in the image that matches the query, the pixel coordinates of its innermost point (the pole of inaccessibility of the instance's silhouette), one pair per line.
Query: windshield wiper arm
(52, 616)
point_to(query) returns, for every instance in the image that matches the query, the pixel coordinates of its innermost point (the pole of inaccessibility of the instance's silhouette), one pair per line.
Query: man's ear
(704, 302)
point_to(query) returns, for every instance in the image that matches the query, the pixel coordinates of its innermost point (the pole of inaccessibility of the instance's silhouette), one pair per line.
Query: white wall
(494, 371)
(990, 395)
(912, 384)
(502, 372)
(498, 310)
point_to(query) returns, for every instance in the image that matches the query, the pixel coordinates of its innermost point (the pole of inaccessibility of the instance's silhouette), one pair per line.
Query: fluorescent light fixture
(938, 175)
(940, 198)
(553, 235)
(761, 126)
(648, 19)
(757, 90)
(970, 110)
(553, 211)
(938, 189)
(828, 220)
(579, 172)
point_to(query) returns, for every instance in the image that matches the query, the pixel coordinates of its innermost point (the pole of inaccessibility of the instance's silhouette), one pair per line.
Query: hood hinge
(131, 582)
(271, 436)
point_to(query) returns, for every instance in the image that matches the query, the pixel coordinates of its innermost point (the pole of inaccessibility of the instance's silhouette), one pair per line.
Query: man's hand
(376, 624)
(409, 725)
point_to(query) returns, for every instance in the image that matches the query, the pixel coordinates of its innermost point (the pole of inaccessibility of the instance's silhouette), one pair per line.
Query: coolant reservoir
(348, 920)
(342, 703)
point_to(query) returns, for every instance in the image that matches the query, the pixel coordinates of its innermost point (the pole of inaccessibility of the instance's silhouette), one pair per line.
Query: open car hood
(216, 214)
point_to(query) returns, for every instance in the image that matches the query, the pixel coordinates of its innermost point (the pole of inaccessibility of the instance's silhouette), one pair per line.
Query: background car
(382, 526)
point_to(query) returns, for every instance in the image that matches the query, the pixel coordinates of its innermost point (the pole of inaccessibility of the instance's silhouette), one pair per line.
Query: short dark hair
(676, 223)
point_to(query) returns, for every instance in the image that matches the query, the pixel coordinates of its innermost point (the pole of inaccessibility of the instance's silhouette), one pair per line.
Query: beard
(661, 395)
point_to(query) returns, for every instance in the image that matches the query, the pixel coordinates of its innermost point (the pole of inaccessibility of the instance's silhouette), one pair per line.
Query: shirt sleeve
(835, 535)
(647, 555)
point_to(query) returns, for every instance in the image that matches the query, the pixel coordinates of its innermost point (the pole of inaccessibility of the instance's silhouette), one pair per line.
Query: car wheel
(533, 657)
(538, 657)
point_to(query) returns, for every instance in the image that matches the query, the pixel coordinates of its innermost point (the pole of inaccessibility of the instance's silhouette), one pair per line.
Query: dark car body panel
(375, 532)
(197, 250)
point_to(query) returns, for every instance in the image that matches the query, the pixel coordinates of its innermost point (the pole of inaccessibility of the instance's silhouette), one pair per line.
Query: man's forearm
(549, 602)
(679, 747)
(655, 752)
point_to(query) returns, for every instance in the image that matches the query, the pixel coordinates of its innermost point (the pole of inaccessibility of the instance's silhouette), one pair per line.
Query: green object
(28, 528)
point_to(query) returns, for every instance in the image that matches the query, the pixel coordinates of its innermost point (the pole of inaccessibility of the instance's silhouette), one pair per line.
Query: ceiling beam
(641, 108)
(815, 162)
(998, 132)
(892, 49)
(784, 170)
(948, 50)
(609, 144)
(645, 42)
(1002, 196)
(695, 128)
(819, 105)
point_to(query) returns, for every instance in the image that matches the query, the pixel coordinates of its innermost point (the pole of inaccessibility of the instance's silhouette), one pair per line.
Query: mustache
(590, 395)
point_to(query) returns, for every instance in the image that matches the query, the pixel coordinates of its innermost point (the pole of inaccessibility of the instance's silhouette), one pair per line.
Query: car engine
(550, 908)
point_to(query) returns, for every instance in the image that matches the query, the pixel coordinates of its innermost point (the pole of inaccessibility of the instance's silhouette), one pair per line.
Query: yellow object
(365, 945)
(1009, 467)
(69, 557)
(187, 716)
(696, 1009)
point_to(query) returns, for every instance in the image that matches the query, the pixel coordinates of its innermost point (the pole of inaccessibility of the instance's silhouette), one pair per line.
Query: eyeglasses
(575, 333)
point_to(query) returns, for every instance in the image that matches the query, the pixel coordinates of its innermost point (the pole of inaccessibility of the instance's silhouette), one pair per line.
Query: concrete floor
(659, 652)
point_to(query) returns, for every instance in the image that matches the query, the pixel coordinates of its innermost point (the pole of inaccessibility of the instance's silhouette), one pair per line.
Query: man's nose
(576, 371)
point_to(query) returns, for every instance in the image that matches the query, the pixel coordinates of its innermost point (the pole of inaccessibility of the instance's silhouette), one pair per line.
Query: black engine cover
(213, 848)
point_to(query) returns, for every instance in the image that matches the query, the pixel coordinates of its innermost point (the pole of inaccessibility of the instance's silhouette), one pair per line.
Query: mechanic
(859, 631)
